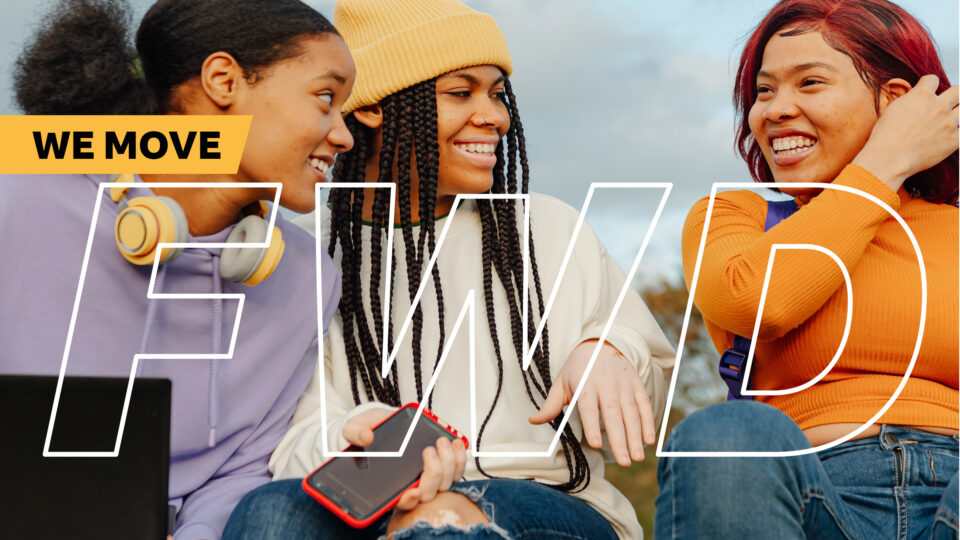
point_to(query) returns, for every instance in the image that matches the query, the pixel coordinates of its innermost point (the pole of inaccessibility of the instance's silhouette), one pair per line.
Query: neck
(208, 210)
(372, 173)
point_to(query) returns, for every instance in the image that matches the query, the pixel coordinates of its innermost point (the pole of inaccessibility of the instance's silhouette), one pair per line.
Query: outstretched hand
(613, 389)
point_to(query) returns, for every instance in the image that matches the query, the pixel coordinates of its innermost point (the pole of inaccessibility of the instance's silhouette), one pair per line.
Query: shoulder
(301, 245)
(550, 212)
(49, 200)
(51, 187)
(308, 222)
(742, 203)
(927, 208)
(295, 232)
(548, 205)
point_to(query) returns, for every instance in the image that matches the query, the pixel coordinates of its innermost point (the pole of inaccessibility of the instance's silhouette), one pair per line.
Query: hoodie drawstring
(217, 324)
(151, 314)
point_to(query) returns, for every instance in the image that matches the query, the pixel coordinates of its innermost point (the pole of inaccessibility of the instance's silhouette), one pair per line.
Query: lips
(790, 148)
(480, 152)
(320, 166)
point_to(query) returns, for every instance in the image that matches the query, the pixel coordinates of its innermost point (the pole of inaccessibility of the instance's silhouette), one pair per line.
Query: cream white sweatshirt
(584, 301)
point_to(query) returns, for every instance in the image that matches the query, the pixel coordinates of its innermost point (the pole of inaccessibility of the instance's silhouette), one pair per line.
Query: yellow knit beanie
(398, 43)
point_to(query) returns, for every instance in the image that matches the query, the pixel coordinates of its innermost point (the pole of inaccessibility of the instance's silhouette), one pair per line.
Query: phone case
(361, 523)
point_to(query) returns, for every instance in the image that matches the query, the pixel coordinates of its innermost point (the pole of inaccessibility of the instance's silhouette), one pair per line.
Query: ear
(220, 77)
(370, 116)
(891, 90)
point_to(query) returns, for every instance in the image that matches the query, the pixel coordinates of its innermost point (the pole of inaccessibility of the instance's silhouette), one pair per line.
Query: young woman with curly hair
(277, 60)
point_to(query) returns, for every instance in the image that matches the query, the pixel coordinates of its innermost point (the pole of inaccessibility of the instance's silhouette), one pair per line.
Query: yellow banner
(162, 144)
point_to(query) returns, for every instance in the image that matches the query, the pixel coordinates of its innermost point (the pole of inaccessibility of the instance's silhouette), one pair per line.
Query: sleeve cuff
(635, 349)
(859, 178)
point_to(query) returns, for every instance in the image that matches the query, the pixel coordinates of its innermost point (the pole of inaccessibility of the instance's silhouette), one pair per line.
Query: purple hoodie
(227, 415)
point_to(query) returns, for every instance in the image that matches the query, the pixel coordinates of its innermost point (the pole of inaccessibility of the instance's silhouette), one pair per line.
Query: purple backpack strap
(732, 360)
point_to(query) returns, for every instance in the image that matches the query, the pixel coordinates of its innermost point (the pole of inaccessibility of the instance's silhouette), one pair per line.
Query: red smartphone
(361, 489)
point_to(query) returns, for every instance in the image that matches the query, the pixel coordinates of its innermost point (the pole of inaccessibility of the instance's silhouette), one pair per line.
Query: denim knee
(280, 510)
(945, 523)
(709, 496)
(270, 499)
(742, 426)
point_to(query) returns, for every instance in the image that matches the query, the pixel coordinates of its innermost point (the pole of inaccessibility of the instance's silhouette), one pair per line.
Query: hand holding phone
(360, 489)
(443, 463)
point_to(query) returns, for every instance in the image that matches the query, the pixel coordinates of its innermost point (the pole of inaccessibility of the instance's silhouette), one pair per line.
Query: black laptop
(123, 497)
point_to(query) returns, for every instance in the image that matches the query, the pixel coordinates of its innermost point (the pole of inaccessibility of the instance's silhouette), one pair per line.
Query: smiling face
(813, 111)
(471, 119)
(297, 128)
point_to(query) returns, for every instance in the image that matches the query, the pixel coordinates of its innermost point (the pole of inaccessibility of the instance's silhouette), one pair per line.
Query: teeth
(787, 144)
(478, 148)
(319, 165)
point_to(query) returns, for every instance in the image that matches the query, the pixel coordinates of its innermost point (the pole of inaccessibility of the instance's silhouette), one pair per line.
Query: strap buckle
(731, 371)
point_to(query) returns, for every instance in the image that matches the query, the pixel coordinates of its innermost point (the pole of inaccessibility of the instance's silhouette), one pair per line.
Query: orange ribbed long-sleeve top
(806, 305)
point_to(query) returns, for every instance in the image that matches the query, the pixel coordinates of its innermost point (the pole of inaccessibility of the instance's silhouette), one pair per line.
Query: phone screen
(363, 485)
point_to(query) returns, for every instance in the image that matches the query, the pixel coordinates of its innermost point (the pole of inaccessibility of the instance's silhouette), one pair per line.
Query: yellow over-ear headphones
(145, 222)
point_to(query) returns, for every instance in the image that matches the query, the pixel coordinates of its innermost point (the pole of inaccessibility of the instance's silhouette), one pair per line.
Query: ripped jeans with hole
(516, 509)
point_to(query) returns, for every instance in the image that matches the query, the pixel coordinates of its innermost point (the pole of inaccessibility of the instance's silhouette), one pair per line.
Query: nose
(490, 113)
(782, 107)
(339, 135)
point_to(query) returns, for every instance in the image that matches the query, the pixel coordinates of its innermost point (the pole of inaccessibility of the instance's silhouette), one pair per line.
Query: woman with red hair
(849, 93)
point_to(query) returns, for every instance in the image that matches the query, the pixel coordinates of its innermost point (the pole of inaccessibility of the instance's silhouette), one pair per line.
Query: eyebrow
(333, 75)
(471, 79)
(801, 67)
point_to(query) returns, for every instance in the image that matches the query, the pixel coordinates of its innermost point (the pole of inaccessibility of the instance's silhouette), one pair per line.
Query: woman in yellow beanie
(432, 111)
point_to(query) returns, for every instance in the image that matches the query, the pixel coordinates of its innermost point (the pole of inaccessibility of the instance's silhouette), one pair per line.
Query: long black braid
(410, 131)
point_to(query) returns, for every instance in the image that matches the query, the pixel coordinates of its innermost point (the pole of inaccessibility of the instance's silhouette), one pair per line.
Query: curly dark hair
(81, 60)
(410, 127)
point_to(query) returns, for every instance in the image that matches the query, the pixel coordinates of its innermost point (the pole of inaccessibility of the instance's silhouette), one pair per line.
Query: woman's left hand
(443, 464)
(614, 388)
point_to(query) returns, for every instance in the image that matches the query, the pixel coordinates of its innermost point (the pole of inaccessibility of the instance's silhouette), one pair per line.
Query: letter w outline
(468, 309)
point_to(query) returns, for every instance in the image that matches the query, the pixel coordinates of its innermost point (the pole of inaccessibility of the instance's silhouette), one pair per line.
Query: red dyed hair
(884, 42)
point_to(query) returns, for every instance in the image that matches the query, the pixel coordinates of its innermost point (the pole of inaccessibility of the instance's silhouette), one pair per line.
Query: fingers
(634, 424)
(409, 500)
(955, 114)
(448, 463)
(359, 429)
(951, 96)
(358, 435)
(928, 83)
(552, 406)
(460, 458)
(432, 474)
(647, 418)
(613, 421)
(443, 464)
(590, 418)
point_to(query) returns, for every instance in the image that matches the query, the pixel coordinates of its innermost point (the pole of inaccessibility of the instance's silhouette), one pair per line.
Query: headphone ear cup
(250, 266)
(145, 222)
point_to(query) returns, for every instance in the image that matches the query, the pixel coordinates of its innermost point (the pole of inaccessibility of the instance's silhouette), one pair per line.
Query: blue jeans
(516, 509)
(900, 484)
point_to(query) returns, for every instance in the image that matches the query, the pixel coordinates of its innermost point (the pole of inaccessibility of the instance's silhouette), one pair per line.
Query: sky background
(609, 91)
